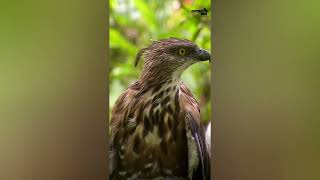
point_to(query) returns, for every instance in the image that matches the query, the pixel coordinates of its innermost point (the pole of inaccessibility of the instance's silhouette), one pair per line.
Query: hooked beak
(203, 55)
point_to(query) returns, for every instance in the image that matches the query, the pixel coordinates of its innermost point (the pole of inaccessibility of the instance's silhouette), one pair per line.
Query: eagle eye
(182, 51)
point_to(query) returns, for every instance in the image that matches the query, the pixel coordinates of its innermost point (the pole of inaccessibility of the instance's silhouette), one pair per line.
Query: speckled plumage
(155, 125)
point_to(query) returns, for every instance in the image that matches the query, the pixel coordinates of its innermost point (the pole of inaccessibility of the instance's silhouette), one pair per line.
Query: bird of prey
(156, 132)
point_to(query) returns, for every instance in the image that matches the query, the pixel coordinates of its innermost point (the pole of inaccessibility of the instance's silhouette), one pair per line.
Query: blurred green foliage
(133, 24)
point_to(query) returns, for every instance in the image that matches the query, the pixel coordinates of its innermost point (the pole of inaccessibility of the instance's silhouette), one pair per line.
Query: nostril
(203, 55)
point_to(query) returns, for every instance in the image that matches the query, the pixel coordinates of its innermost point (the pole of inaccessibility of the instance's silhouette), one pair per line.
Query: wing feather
(195, 127)
(119, 111)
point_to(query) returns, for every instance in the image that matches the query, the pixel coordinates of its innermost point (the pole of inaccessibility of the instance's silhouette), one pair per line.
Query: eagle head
(170, 57)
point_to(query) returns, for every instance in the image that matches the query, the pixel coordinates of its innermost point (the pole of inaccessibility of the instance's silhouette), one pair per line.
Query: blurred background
(132, 26)
(53, 94)
(266, 90)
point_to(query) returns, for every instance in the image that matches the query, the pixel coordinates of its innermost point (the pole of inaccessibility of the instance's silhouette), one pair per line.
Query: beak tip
(204, 55)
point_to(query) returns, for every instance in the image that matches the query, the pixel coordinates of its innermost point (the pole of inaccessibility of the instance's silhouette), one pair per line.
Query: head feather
(139, 55)
(163, 43)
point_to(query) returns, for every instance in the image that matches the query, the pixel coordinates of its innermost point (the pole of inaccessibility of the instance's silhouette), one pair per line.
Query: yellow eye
(182, 51)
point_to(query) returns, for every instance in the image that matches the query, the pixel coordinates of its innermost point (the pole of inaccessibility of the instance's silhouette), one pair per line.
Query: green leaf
(118, 41)
(146, 14)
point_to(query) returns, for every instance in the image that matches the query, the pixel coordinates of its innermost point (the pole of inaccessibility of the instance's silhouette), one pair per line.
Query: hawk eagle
(156, 132)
